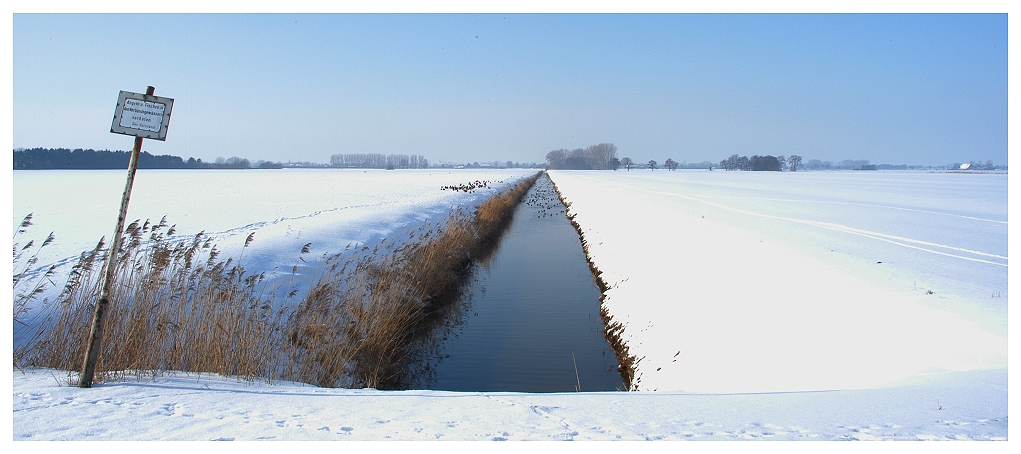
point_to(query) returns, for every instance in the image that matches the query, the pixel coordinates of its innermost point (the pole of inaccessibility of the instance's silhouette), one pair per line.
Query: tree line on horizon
(89, 159)
(379, 161)
(593, 157)
(604, 157)
(795, 162)
(761, 163)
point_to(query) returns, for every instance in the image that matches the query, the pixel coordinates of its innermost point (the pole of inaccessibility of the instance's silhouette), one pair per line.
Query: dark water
(530, 315)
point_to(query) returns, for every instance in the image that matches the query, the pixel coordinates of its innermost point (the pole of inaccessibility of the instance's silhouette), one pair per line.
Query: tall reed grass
(28, 285)
(177, 306)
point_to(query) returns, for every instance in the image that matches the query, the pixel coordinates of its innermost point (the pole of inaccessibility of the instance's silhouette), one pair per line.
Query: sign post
(142, 116)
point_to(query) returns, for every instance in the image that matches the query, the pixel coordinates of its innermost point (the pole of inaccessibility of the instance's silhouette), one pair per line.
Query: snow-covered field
(786, 281)
(285, 208)
(730, 283)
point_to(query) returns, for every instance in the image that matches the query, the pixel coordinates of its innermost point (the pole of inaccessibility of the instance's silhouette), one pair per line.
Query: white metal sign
(142, 116)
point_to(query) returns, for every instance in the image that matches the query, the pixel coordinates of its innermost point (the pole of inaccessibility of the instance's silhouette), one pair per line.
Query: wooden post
(96, 333)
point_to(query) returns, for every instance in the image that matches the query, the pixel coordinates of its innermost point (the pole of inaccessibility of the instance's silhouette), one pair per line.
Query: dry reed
(28, 285)
(176, 306)
(360, 321)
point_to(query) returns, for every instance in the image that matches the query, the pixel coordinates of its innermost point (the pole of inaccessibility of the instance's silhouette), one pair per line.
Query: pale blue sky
(912, 89)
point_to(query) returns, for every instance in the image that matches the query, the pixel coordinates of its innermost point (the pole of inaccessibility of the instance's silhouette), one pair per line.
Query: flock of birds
(469, 187)
(545, 198)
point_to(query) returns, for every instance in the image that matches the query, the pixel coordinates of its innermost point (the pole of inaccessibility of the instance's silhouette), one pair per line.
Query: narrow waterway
(529, 321)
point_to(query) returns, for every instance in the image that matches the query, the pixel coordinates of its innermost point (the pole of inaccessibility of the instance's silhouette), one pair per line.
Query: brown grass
(170, 310)
(176, 306)
(28, 285)
(361, 323)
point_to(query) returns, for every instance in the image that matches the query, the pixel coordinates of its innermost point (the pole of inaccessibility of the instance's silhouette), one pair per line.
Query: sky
(924, 89)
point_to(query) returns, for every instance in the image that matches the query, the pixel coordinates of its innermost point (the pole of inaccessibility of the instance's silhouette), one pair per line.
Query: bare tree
(600, 157)
(378, 161)
(627, 163)
(670, 164)
(794, 161)
(652, 164)
(593, 157)
(557, 158)
(732, 163)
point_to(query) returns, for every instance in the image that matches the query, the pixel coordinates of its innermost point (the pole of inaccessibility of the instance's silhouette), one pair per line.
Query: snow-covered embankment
(713, 302)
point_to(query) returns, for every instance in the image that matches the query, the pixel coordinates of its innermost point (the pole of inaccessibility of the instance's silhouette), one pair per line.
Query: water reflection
(529, 319)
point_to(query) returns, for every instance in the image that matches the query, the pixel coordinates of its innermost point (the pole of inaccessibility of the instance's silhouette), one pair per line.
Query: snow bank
(285, 208)
(766, 282)
(194, 407)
